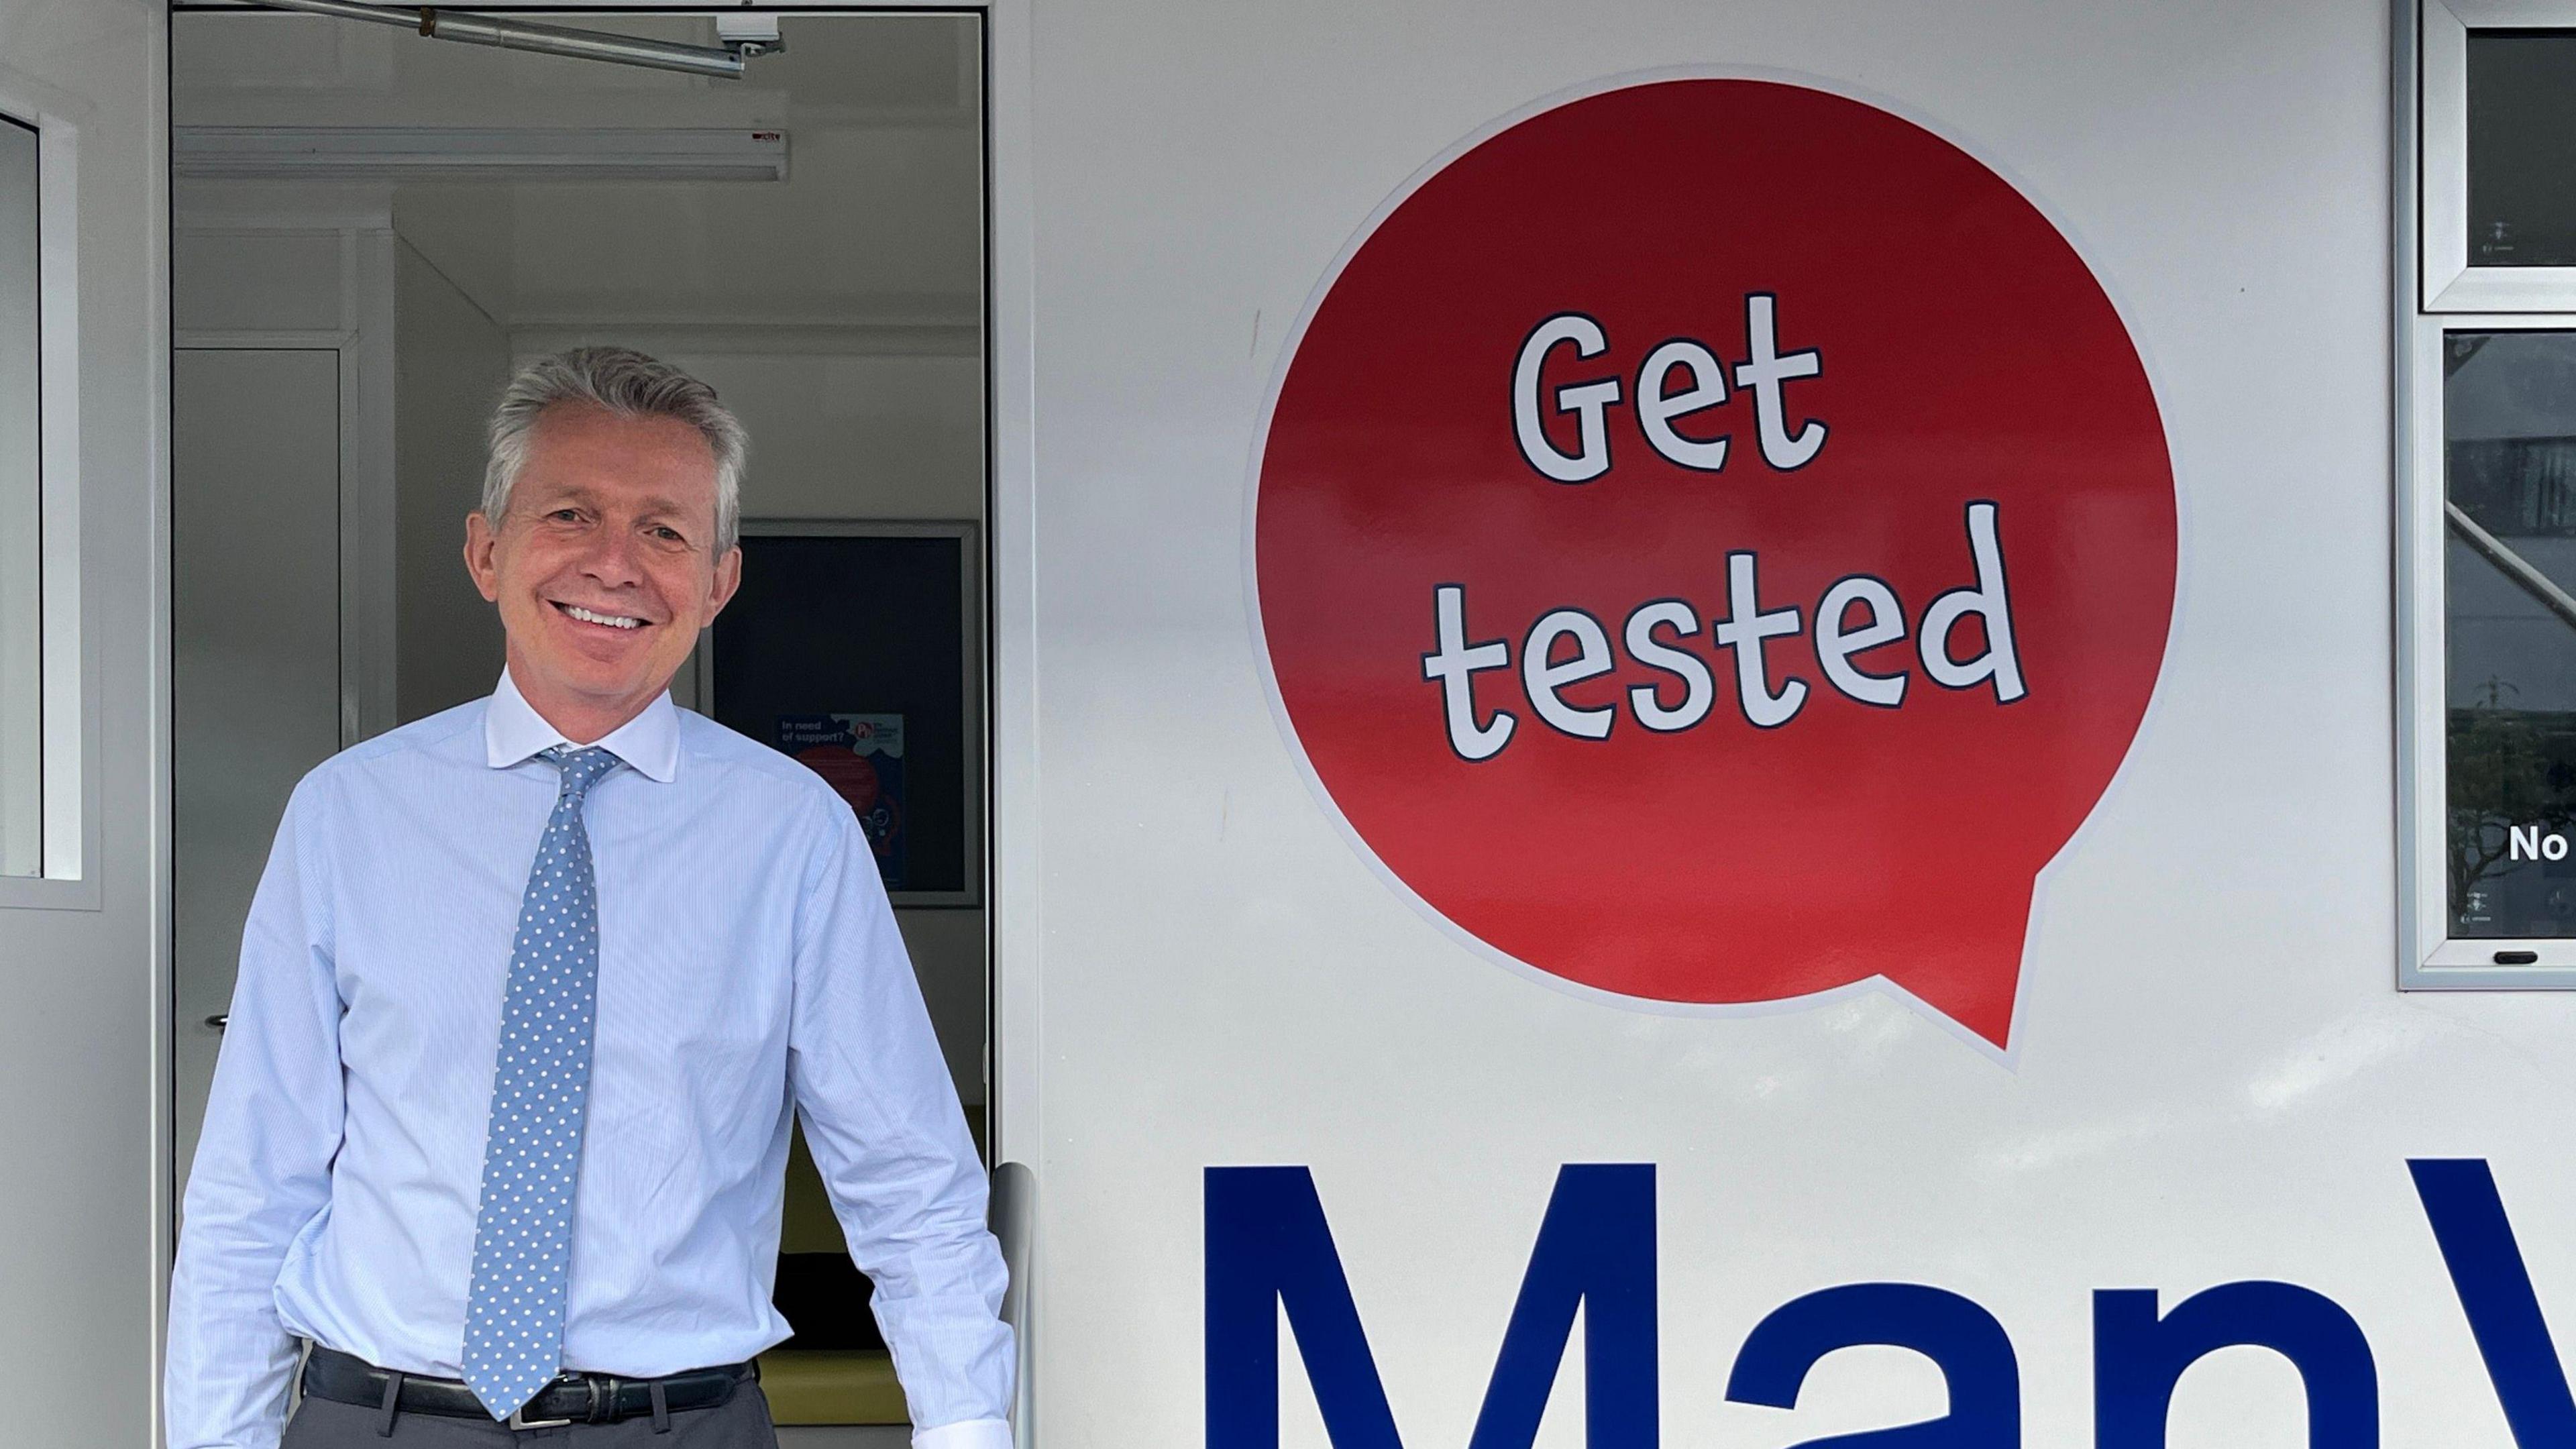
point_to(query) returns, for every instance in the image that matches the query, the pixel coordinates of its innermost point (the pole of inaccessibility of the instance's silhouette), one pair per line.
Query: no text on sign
(1714, 542)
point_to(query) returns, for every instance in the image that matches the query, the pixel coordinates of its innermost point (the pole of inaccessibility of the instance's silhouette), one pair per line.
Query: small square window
(2496, 222)
(2522, 148)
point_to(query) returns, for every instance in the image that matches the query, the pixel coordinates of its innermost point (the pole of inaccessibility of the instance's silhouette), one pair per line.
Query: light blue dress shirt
(748, 967)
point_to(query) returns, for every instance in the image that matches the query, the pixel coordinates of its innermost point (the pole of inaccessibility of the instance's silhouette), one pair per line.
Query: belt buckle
(518, 1417)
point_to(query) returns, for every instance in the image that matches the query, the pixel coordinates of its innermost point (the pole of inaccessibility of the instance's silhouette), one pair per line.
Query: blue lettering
(1268, 1245)
(2487, 1271)
(2139, 1357)
(1974, 1353)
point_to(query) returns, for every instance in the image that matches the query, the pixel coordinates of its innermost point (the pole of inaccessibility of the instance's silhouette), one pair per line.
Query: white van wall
(84, 1225)
(2216, 1078)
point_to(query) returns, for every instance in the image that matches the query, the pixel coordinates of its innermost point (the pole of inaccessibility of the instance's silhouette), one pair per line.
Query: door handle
(1013, 1208)
(219, 1020)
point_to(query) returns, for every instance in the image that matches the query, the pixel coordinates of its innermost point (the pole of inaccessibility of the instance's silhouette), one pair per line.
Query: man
(527, 995)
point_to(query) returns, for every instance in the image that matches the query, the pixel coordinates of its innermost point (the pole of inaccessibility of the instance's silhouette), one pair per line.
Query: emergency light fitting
(724, 61)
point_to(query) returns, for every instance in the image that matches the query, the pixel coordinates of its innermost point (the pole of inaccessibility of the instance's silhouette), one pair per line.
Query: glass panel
(21, 595)
(2522, 148)
(2509, 450)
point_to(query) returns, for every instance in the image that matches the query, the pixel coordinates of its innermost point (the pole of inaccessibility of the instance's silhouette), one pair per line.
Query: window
(2509, 646)
(2521, 147)
(22, 752)
(2487, 490)
(48, 832)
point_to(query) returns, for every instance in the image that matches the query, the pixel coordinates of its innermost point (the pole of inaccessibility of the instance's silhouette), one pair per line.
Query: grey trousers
(740, 1424)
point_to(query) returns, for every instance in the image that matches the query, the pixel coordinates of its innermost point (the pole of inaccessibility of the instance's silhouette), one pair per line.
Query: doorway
(370, 230)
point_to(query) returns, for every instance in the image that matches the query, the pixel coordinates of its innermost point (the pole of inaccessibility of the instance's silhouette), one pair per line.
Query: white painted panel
(257, 281)
(451, 360)
(885, 223)
(2216, 1078)
(255, 644)
(83, 1052)
(947, 947)
(856, 436)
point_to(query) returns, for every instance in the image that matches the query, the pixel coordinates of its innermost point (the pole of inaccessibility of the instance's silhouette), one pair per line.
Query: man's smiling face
(604, 564)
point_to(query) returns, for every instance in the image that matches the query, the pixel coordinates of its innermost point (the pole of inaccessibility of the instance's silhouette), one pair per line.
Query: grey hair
(631, 385)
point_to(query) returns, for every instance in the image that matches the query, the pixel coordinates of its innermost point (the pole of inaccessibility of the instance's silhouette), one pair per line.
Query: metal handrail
(725, 62)
(2514, 566)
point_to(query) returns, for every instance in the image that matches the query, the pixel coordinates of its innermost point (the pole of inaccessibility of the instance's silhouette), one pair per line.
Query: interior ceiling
(878, 224)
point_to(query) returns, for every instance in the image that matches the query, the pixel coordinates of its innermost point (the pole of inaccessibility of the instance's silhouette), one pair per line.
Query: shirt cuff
(972, 1434)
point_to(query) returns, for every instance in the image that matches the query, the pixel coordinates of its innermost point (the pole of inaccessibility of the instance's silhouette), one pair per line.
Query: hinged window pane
(2509, 568)
(21, 532)
(2522, 148)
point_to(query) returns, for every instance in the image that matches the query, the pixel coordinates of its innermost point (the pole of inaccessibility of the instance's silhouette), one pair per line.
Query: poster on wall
(1713, 542)
(861, 757)
(856, 649)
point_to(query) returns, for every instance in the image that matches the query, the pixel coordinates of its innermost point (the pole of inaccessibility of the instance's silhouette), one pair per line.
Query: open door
(84, 357)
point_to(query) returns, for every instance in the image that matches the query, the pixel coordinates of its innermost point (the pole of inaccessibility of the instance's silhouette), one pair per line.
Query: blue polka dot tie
(514, 1309)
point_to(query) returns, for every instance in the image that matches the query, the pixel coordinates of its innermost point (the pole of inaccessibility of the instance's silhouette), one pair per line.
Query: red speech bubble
(1714, 543)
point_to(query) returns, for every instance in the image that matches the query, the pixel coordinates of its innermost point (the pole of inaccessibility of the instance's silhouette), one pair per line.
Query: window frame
(67, 678)
(2441, 214)
(2437, 293)
(16, 794)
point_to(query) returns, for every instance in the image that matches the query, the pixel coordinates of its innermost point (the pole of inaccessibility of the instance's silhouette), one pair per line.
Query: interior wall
(880, 435)
(282, 551)
(878, 224)
(839, 312)
(848, 426)
(893, 433)
(451, 360)
(255, 688)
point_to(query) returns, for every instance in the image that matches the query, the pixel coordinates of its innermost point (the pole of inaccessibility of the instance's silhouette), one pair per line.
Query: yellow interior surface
(809, 1226)
(828, 1386)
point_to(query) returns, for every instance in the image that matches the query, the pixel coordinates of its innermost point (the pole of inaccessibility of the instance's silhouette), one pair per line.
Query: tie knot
(581, 767)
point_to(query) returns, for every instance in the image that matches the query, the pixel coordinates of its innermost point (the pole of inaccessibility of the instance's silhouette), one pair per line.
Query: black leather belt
(572, 1398)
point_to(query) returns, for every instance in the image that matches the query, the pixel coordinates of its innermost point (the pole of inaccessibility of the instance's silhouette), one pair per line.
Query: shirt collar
(513, 731)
